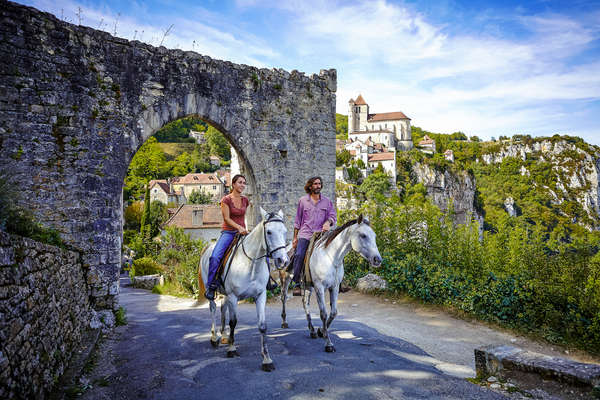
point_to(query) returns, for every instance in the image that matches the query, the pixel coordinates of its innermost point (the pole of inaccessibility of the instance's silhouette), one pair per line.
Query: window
(197, 217)
(214, 187)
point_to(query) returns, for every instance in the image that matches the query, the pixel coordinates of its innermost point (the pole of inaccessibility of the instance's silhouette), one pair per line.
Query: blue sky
(484, 68)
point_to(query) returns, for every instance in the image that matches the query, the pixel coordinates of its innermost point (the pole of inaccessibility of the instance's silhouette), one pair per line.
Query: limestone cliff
(574, 166)
(444, 187)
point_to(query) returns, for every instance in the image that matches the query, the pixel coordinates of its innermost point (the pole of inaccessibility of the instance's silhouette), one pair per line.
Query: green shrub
(121, 316)
(145, 266)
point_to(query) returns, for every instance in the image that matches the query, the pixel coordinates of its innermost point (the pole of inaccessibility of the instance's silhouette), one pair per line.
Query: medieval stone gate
(76, 104)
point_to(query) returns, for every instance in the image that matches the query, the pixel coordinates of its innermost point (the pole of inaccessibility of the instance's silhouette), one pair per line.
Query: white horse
(246, 275)
(327, 270)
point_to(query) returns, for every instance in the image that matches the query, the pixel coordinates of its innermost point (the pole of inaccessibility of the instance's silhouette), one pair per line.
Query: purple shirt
(310, 217)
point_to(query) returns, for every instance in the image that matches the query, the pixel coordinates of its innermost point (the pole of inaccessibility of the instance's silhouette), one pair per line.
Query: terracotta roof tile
(390, 116)
(360, 101)
(162, 183)
(426, 140)
(198, 179)
(183, 217)
(385, 156)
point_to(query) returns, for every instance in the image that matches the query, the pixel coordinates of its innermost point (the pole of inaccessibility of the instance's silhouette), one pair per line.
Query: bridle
(271, 217)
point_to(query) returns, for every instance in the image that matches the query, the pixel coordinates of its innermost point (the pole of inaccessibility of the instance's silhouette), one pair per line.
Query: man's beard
(316, 191)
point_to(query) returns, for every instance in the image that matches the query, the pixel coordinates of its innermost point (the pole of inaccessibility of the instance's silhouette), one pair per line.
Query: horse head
(275, 234)
(363, 241)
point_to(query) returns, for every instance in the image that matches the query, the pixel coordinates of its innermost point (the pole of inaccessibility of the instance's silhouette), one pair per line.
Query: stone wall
(44, 310)
(76, 104)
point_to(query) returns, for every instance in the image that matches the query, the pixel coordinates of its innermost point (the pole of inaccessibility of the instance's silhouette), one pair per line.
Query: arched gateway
(77, 103)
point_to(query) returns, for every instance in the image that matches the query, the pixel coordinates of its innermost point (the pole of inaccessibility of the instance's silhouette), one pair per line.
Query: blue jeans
(215, 258)
(299, 258)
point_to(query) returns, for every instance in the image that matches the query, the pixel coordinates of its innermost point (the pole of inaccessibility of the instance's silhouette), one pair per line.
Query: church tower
(358, 113)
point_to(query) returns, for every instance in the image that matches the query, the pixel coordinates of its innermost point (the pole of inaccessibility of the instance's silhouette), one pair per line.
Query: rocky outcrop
(147, 281)
(575, 167)
(509, 205)
(371, 282)
(445, 188)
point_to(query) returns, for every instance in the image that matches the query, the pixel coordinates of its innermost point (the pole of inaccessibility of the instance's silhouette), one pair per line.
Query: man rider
(315, 213)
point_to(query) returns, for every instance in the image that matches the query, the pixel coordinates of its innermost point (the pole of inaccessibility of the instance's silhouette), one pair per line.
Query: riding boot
(210, 291)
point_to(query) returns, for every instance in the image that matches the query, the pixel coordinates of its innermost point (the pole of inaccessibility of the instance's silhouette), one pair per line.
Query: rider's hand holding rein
(326, 226)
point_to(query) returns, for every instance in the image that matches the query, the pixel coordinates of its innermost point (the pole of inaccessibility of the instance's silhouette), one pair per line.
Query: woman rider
(233, 208)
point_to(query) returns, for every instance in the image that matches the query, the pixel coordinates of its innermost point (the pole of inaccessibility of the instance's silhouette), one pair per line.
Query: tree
(217, 143)
(341, 126)
(182, 165)
(148, 163)
(146, 215)
(375, 185)
(475, 139)
(379, 169)
(360, 164)
(133, 215)
(158, 215)
(342, 157)
(199, 197)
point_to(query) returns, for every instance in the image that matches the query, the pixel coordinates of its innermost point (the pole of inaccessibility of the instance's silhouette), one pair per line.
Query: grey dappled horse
(327, 270)
(247, 275)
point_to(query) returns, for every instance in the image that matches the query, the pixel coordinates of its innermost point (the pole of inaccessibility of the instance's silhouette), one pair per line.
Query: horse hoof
(284, 325)
(313, 335)
(268, 367)
(214, 343)
(320, 332)
(232, 353)
(330, 349)
(224, 340)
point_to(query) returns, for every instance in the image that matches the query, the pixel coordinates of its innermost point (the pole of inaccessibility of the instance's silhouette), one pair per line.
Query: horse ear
(263, 213)
(360, 219)
(280, 213)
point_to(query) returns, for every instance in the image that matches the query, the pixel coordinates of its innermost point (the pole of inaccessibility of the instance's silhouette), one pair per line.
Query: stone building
(210, 184)
(387, 159)
(199, 221)
(427, 145)
(162, 190)
(391, 126)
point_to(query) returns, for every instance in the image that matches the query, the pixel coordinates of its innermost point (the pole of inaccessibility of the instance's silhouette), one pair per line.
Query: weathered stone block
(371, 282)
(148, 281)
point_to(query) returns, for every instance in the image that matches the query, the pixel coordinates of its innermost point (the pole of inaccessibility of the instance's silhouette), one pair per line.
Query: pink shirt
(311, 216)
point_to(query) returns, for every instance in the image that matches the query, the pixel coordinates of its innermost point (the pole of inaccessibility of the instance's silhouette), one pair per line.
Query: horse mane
(327, 237)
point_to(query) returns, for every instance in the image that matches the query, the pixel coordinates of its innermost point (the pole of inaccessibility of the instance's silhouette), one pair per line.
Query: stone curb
(491, 360)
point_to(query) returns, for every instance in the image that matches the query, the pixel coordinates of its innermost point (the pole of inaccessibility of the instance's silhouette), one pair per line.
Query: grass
(173, 150)
(172, 289)
(121, 316)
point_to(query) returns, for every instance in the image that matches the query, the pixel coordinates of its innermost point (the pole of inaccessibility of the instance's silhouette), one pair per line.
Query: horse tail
(201, 287)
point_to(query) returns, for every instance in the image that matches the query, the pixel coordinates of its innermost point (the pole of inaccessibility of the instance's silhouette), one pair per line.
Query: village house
(387, 160)
(162, 190)
(215, 160)
(427, 145)
(210, 184)
(449, 155)
(198, 136)
(198, 221)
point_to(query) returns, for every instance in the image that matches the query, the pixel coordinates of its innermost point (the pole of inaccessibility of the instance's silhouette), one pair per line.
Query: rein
(270, 218)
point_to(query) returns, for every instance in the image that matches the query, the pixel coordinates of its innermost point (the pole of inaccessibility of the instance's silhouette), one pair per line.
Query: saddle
(306, 278)
(228, 254)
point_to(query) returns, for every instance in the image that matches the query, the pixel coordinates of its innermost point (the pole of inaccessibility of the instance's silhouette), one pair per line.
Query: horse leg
(232, 307)
(306, 305)
(285, 282)
(333, 295)
(223, 320)
(320, 292)
(261, 303)
(214, 341)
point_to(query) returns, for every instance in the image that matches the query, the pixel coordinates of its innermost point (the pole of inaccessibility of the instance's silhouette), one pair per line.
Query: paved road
(164, 353)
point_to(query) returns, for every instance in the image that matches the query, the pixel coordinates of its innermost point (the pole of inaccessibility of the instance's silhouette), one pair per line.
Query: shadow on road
(164, 352)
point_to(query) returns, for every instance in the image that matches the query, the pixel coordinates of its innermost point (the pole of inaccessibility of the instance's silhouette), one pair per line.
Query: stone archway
(77, 104)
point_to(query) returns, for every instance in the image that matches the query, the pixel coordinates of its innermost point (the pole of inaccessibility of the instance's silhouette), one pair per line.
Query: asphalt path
(164, 353)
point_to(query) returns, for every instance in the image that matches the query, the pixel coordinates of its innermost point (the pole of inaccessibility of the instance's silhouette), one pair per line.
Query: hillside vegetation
(537, 271)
